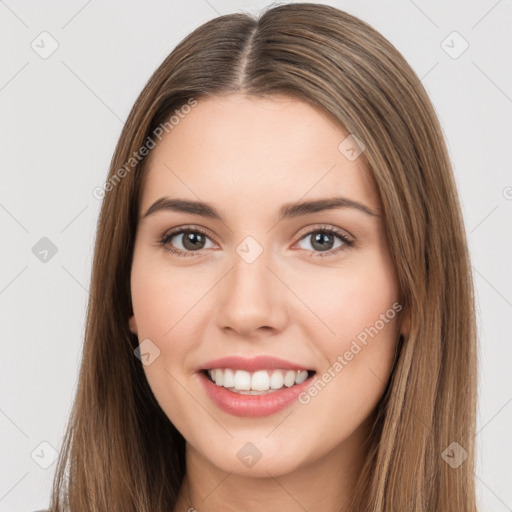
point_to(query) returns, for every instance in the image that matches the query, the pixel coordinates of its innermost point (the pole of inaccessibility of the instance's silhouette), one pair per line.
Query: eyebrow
(287, 211)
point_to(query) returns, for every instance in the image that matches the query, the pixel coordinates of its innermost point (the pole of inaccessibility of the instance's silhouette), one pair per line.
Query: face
(313, 290)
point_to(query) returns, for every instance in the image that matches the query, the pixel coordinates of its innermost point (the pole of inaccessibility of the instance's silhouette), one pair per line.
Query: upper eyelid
(327, 227)
(180, 230)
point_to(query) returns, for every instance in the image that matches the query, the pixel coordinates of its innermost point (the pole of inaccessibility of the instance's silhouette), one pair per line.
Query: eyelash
(347, 243)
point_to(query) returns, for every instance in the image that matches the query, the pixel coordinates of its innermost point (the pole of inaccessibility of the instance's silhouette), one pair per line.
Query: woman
(281, 311)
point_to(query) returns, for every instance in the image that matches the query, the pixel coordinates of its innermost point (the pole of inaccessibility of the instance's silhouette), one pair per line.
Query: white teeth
(242, 380)
(229, 378)
(276, 380)
(289, 378)
(301, 377)
(259, 382)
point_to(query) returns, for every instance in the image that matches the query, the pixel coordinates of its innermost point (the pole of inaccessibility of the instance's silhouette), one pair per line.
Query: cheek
(152, 304)
(360, 306)
(354, 302)
(168, 305)
(161, 295)
(161, 299)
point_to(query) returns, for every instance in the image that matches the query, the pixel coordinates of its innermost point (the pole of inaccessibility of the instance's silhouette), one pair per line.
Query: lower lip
(252, 405)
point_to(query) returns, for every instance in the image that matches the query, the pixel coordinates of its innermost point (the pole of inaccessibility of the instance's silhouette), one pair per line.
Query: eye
(191, 239)
(322, 241)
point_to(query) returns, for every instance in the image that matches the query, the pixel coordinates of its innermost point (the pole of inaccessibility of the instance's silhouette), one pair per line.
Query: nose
(252, 300)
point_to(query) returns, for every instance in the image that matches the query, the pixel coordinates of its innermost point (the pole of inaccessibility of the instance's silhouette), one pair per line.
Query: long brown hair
(120, 451)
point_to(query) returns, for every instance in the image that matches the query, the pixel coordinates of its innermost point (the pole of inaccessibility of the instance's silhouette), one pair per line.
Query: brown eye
(323, 241)
(185, 241)
(192, 240)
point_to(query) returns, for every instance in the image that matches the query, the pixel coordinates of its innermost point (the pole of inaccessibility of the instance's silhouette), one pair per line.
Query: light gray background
(60, 120)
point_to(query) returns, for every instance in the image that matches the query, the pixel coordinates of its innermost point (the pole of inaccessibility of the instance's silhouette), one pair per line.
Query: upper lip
(252, 364)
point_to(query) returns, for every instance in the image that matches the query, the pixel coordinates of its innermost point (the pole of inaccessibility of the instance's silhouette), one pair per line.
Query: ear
(132, 323)
(405, 322)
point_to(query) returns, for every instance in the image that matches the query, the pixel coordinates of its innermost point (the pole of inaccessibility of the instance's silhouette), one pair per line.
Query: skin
(248, 156)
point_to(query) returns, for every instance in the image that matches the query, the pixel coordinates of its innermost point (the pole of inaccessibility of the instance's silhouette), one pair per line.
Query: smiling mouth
(260, 382)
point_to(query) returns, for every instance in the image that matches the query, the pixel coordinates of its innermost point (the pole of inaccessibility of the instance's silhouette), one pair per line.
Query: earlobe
(132, 323)
(405, 323)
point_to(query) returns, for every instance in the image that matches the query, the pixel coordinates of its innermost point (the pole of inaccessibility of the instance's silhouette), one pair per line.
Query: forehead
(259, 149)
